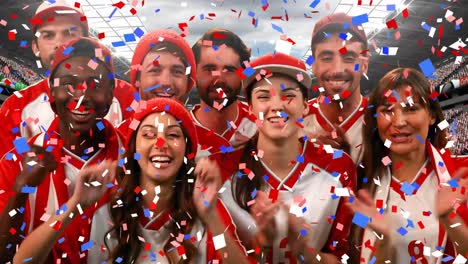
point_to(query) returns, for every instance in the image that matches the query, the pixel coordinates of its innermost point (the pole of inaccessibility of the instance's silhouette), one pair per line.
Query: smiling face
(216, 69)
(335, 71)
(167, 72)
(54, 34)
(278, 105)
(161, 144)
(83, 95)
(405, 123)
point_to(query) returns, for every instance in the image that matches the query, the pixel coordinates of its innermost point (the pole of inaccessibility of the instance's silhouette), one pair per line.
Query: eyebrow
(168, 127)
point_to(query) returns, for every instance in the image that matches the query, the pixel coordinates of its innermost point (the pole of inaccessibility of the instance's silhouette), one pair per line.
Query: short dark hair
(333, 30)
(220, 36)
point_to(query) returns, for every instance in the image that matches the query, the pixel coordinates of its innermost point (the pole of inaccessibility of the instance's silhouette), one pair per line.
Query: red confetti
(133, 11)
(405, 13)
(240, 74)
(392, 24)
(101, 35)
(394, 208)
(11, 35)
(343, 50)
(83, 18)
(147, 246)
(211, 14)
(421, 225)
(191, 18)
(77, 5)
(57, 225)
(434, 95)
(67, 65)
(441, 31)
(265, 7)
(119, 5)
(345, 94)
(14, 16)
(12, 231)
(160, 142)
(379, 203)
(218, 35)
(137, 190)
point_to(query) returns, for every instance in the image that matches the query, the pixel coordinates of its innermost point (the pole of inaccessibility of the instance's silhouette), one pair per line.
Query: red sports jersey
(410, 209)
(315, 122)
(27, 113)
(155, 233)
(312, 189)
(239, 131)
(58, 187)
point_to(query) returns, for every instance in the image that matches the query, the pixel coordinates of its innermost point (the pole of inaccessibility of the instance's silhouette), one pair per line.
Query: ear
(364, 64)
(35, 48)
(306, 108)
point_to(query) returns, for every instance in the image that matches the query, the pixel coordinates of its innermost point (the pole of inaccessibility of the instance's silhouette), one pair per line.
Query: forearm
(10, 226)
(232, 252)
(457, 231)
(40, 242)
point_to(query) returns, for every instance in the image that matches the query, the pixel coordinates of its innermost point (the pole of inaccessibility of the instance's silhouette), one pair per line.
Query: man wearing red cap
(27, 112)
(335, 117)
(223, 122)
(40, 175)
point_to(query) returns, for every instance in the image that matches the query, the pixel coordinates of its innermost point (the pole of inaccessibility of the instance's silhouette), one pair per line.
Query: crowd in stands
(459, 130)
(449, 71)
(17, 72)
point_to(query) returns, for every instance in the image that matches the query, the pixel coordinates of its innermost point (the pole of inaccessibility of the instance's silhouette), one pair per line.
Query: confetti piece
(28, 189)
(360, 220)
(277, 28)
(219, 241)
(386, 161)
(407, 188)
(402, 231)
(427, 67)
(361, 19)
(21, 145)
(314, 3)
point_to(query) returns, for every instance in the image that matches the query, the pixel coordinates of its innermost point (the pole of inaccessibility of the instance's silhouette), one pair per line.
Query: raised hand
(207, 184)
(365, 205)
(91, 183)
(264, 211)
(37, 164)
(336, 139)
(448, 198)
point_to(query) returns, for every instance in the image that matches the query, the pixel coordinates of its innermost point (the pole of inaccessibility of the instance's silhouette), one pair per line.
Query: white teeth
(79, 112)
(277, 119)
(160, 159)
(164, 95)
(337, 82)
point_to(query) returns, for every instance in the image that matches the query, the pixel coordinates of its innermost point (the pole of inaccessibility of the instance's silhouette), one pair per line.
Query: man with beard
(27, 112)
(223, 122)
(336, 117)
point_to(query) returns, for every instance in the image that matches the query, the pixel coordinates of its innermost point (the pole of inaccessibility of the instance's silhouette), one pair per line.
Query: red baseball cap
(163, 35)
(278, 63)
(49, 10)
(83, 46)
(340, 21)
(173, 107)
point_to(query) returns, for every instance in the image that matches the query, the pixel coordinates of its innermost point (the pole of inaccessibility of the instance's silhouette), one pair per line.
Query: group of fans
(96, 169)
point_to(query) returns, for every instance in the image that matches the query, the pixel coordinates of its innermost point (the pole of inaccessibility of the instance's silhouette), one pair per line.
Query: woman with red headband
(285, 196)
(165, 207)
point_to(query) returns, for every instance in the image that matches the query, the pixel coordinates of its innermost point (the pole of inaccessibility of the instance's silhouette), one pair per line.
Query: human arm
(90, 186)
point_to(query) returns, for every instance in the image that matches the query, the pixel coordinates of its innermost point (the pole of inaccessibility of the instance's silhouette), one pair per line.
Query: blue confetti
(427, 67)
(129, 37)
(23, 226)
(277, 28)
(407, 188)
(385, 50)
(152, 88)
(303, 232)
(21, 145)
(138, 32)
(410, 223)
(49, 148)
(248, 71)
(420, 139)
(453, 183)
(395, 94)
(119, 260)
(157, 10)
(116, 44)
(24, 44)
(361, 19)
(360, 220)
(67, 51)
(391, 7)
(337, 154)
(251, 14)
(28, 189)
(310, 60)
(254, 193)
(373, 260)
(314, 3)
(113, 12)
(136, 156)
(447, 259)
(300, 158)
(343, 36)
(147, 212)
(356, 67)
(87, 245)
(100, 125)
(60, 241)
(402, 231)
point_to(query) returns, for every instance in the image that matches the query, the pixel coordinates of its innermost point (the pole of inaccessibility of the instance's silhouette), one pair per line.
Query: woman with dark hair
(410, 194)
(285, 195)
(160, 211)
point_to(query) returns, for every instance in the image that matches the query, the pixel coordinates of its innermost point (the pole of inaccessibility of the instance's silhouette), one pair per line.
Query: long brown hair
(129, 246)
(374, 149)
